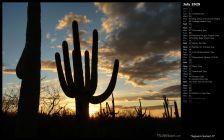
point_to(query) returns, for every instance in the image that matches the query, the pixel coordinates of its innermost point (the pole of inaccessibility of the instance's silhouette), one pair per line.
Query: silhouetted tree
(51, 101)
(10, 99)
(28, 69)
(75, 88)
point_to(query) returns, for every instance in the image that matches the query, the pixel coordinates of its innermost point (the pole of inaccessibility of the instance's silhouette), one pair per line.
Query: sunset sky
(145, 37)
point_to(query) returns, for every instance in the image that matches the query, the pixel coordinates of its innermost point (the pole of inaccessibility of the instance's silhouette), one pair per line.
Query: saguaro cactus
(176, 110)
(76, 88)
(28, 69)
(167, 113)
(166, 107)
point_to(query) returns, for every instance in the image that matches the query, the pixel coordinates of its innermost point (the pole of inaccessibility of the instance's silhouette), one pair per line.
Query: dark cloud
(141, 36)
(153, 68)
(171, 91)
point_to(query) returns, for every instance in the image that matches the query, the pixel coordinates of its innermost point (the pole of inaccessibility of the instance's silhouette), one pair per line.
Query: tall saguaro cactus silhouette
(77, 88)
(28, 69)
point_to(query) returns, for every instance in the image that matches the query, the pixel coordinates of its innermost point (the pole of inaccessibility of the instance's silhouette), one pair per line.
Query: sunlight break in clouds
(67, 20)
(147, 43)
(113, 21)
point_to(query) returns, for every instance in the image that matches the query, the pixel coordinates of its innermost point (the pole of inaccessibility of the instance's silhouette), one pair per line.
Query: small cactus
(111, 111)
(166, 107)
(139, 111)
(167, 113)
(103, 113)
(176, 110)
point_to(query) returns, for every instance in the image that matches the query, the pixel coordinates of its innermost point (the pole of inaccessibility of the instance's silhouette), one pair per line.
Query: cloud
(153, 68)
(143, 107)
(143, 97)
(9, 71)
(56, 46)
(171, 91)
(67, 20)
(147, 42)
(6, 70)
(48, 35)
(48, 65)
(140, 7)
(51, 37)
(109, 24)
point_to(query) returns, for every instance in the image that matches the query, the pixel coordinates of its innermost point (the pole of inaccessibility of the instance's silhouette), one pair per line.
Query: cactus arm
(94, 73)
(67, 66)
(110, 88)
(77, 61)
(61, 77)
(87, 70)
